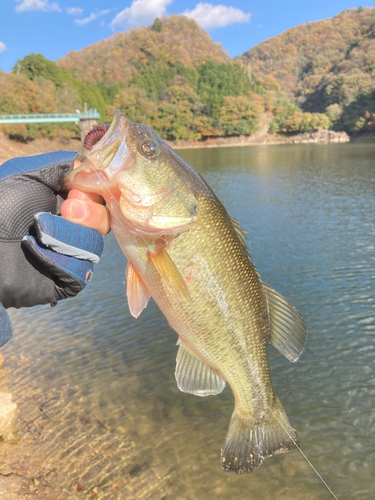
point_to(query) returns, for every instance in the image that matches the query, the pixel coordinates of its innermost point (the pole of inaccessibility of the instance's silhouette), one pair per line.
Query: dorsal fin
(241, 233)
(288, 330)
(194, 376)
(287, 327)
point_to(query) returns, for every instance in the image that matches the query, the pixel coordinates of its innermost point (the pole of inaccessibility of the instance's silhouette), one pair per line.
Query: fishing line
(270, 409)
(304, 456)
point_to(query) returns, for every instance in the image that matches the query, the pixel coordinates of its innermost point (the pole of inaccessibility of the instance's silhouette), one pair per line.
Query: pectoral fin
(136, 291)
(194, 376)
(168, 271)
(288, 329)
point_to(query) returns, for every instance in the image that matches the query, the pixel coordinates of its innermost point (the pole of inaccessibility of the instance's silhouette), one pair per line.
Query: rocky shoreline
(10, 149)
(264, 138)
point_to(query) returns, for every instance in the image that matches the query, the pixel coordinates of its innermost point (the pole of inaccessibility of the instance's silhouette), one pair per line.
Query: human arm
(32, 269)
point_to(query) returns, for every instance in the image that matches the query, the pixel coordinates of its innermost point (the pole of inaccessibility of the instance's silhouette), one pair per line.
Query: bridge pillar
(85, 125)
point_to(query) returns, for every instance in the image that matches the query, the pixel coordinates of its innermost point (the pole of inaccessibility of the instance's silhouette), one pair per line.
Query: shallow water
(100, 413)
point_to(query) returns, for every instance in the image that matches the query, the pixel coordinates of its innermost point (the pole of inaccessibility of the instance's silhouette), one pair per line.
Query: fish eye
(150, 149)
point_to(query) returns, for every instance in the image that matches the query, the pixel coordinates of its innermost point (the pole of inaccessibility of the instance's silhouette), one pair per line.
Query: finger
(76, 164)
(80, 195)
(87, 213)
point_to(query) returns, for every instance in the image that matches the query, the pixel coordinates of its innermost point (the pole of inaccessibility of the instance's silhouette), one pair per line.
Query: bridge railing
(50, 117)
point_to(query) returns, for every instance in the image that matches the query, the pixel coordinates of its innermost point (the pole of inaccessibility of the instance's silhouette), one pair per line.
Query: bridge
(84, 120)
(50, 117)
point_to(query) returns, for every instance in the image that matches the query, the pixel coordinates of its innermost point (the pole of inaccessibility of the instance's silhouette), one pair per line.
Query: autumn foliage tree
(21, 95)
(36, 66)
(172, 76)
(323, 64)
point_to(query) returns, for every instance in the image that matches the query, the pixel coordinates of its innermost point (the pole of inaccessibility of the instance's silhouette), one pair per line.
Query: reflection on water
(100, 413)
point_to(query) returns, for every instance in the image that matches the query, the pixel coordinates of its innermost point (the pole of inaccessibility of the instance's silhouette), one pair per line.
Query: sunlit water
(100, 413)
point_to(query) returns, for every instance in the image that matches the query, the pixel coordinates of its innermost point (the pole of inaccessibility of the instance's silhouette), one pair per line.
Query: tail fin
(250, 441)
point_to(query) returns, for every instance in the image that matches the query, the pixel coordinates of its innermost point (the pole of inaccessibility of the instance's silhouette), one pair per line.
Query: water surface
(100, 413)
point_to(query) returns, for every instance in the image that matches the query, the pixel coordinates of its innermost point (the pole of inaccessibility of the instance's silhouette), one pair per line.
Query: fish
(184, 250)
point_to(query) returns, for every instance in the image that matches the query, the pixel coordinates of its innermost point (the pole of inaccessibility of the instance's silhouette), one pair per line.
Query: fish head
(139, 176)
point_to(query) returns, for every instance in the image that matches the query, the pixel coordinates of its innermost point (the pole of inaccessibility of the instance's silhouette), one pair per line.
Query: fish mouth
(109, 155)
(86, 178)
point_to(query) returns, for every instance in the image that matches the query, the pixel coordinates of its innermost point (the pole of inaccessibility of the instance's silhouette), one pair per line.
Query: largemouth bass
(186, 252)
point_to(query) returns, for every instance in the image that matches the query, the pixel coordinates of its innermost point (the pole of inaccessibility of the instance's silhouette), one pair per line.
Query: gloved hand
(43, 257)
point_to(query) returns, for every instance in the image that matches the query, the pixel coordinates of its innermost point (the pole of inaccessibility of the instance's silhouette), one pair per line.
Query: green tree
(109, 91)
(305, 122)
(136, 105)
(239, 115)
(158, 25)
(178, 112)
(283, 109)
(21, 95)
(218, 80)
(334, 112)
(36, 66)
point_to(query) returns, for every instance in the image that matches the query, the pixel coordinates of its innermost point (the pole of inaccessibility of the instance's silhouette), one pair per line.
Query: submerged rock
(8, 417)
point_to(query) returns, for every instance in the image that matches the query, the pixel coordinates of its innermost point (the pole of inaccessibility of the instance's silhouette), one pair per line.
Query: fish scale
(185, 251)
(238, 318)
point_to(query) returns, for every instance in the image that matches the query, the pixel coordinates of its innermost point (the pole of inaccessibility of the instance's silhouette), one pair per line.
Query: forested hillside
(325, 66)
(174, 77)
(39, 86)
(175, 40)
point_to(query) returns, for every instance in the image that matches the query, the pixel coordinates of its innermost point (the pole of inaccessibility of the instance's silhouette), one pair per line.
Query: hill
(326, 66)
(176, 79)
(171, 76)
(171, 41)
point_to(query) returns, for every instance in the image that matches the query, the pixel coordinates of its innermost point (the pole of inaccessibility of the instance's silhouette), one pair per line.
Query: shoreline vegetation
(265, 139)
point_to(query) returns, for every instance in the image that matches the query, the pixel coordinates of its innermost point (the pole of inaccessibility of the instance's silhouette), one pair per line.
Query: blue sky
(54, 27)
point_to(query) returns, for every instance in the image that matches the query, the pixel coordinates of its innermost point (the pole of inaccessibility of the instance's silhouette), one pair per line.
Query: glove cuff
(68, 238)
(6, 329)
(73, 274)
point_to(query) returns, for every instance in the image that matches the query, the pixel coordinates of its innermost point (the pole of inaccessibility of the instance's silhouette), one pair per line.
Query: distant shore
(11, 149)
(262, 138)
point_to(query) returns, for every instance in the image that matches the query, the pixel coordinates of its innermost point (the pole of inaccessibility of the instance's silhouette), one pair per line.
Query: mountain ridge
(176, 79)
(322, 63)
(163, 41)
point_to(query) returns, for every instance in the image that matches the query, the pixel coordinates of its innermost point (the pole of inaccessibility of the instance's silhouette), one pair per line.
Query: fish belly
(225, 324)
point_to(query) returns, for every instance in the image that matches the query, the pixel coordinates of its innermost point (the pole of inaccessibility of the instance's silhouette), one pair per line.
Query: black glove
(43, 258)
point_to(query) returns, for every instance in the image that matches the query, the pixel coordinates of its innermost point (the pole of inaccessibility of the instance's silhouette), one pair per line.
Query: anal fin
(288, 330)
(194, 376)
(136, 291)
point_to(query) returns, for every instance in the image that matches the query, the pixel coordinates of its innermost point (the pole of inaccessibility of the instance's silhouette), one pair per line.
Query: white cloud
(141, 12)
(3, 47)
(86, 20)
(216, 16)
(43, 5)
(91, 17)
(74, 11)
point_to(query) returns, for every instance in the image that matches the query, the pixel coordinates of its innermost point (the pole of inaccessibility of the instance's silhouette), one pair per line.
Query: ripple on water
(100, 413)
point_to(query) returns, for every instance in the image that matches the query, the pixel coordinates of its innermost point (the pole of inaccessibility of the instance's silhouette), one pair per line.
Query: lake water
(100, 413)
